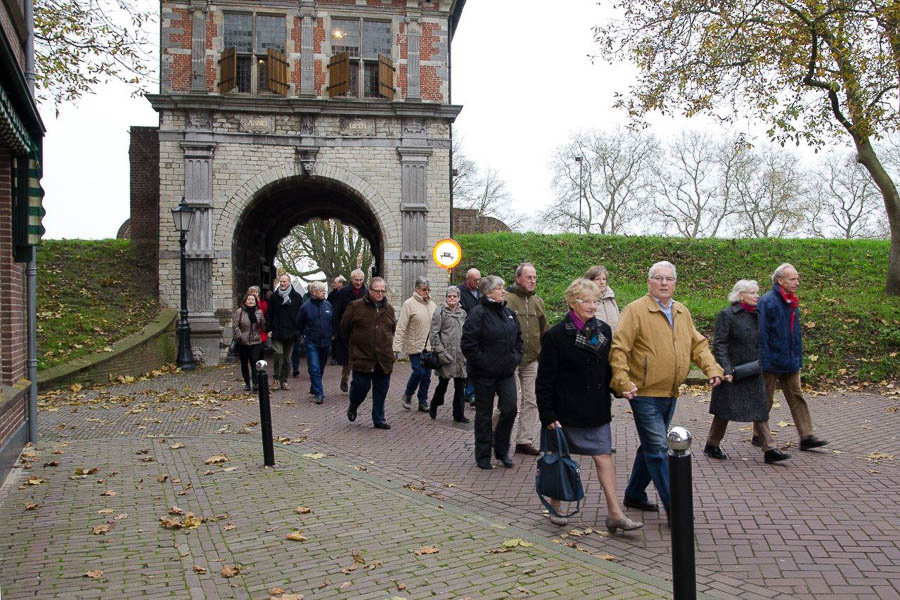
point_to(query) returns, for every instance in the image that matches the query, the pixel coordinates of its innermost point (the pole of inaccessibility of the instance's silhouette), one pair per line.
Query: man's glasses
(659, 279)
(376, 291)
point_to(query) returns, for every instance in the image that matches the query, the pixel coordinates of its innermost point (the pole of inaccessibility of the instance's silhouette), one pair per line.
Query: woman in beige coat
(446, 334)
(411, 338)
(608, 310)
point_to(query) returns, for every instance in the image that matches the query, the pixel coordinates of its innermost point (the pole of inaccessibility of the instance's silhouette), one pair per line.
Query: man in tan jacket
(651, 355)
(412, 338)
(529, 309)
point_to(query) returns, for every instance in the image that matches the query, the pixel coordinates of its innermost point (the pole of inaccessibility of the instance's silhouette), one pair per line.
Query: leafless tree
(769, 191)
(324, 246)
(691, 185)
(483, 191)
(844, 200)
(603, 193)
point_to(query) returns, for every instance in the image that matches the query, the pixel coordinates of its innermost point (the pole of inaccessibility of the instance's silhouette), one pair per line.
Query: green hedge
(851, 328)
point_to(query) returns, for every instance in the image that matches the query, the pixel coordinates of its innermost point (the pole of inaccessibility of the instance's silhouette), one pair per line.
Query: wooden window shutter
(277, 71)
(385, 77)
(339, 74)
(227, 70)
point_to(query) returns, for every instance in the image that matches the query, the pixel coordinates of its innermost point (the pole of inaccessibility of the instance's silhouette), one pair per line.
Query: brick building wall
(466, 220)
(13, 339)
(143, 154)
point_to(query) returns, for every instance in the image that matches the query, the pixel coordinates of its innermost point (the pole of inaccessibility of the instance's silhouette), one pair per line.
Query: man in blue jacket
(314, 321)
(781, 350)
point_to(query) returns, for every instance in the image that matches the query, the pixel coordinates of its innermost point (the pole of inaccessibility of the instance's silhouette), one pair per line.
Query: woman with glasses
(573, 393)
(492, 345)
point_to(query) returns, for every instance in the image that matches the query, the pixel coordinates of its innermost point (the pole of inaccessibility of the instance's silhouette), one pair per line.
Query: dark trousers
(378, 381)
(419, 379)
(485, 390)
(249, 355)
(459, 395)
(297, 352)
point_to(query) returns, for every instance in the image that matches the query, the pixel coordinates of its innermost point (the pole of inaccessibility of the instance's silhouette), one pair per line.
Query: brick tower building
(275, 112)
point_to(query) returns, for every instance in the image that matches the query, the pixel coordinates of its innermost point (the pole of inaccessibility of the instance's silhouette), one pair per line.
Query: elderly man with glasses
(651, 355)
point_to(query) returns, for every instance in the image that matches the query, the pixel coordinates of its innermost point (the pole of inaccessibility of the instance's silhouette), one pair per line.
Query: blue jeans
(316, 359)
(419, 378)
(652, 417)
(359, 388)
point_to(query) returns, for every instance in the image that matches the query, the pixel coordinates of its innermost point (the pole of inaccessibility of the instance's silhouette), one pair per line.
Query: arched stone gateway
(275, 113)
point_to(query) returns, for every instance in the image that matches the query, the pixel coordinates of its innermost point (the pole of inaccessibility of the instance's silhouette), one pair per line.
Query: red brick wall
(12, 416)
(143, 155)
(13, 340)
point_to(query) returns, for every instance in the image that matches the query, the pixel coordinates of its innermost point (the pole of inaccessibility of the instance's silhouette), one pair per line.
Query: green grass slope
(851, 328)
(87, 298)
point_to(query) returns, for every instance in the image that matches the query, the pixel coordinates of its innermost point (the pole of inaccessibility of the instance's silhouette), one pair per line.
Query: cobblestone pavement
(825, 524)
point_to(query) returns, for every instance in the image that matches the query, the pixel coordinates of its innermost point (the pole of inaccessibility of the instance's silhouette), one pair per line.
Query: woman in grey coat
(740, 398)
(446, 333)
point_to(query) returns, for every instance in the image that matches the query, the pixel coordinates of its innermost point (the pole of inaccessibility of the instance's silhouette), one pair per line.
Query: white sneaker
(561, 521)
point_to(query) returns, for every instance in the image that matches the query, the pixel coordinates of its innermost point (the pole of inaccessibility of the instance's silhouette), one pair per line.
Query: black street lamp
(184, 216)
(579, 160)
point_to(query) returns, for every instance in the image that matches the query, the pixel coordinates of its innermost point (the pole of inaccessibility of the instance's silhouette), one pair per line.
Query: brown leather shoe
(527, 449)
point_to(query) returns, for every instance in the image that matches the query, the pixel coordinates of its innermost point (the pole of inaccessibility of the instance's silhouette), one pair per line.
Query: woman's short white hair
(742, 286)
(490, 283)
(663, 264)
(316, 285)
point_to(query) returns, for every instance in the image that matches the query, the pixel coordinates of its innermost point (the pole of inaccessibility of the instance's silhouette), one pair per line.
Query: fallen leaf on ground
(199, 570)
(94, 574)
(86, 471)
(35, 481)
(350, 569)
(52, 463)
(176, 511)
(229, 469)
(605, 556)
(100, 529)
(105, 511)
(345, 585)
(295, 536)
(314, 455)
(31, 506)
(783, 424)
(176, 446)
(303, 510)
(109, 493)
(276, 591)
(230, 570)
(120, 516)
(879, 456)
(400, 586)
(229, 527)
(512, 543)
(216, 460)
(162, 478)
(358, 558)
(427, 550)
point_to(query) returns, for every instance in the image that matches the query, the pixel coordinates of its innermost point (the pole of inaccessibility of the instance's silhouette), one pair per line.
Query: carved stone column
(198, 10)
(307, 68)
(414, 252)
(413, 31)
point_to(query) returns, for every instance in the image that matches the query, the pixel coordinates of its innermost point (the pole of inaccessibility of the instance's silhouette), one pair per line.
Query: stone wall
(144, 224)
(467, 220)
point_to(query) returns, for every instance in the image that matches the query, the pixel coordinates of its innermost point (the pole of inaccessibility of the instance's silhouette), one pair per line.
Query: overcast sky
(520, 69)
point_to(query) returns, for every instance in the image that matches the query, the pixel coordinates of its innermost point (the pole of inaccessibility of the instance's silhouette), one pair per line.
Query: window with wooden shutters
(385, 77)
(227, 70)
(277, 70)
(339, 75)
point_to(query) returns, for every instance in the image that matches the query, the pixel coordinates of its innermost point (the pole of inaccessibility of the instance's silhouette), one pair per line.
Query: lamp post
(184, 216)
(580, 161)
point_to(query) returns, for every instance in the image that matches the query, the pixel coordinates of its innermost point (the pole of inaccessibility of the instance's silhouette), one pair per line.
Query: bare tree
(768, 184)
(328, 247)
(482, 191)
(844, 200)
(691, 185)
(604, 191)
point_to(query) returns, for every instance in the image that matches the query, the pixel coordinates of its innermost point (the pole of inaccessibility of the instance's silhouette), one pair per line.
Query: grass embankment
(851, 328)
(87, 298)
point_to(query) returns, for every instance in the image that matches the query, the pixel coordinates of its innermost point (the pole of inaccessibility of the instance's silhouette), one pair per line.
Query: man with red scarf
(781, 350)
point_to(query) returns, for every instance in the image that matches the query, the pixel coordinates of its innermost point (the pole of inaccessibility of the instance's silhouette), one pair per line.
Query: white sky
(520, 70)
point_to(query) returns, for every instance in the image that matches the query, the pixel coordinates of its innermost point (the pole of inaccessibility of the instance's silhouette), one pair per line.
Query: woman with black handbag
(247, 325)
(572, 391)
(743, 396)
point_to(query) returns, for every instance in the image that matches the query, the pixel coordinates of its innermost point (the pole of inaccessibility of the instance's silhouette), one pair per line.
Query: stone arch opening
(282, 205)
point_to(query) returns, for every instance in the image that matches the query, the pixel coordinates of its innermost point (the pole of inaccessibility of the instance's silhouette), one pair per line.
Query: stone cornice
(298, 106)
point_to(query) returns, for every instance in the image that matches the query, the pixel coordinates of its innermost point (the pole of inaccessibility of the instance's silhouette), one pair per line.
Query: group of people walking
(529, 377)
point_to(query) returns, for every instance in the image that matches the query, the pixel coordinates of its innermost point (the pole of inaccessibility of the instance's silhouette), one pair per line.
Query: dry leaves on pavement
(94, 574)
(100, 529)
(426, 550)
(295, 536)
(216, 459)
(303, 510)
(229, 571)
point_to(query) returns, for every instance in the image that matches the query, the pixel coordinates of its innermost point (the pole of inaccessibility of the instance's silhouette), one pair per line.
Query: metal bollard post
(684, 577)
(265, 413)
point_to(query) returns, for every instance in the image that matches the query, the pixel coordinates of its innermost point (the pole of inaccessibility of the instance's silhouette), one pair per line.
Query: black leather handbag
(430, 359)
(747, 370)
(558, 476)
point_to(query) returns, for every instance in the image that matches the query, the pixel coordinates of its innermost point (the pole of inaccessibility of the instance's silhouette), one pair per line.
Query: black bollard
(265, 414)
(684, 576)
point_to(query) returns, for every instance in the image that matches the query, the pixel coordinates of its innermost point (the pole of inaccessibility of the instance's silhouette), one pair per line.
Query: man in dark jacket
(315, 324)
(368, 326)
(468, 291)
(356, 290)
(282, 322)
(781, 350)
(492, 345)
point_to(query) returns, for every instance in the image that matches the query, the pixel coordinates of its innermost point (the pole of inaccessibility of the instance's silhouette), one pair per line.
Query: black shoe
(296, 373)
(351, 414)
(343, 386)
(756, 441)
(247, 386)
(776, 455)
(812, 442)
(320, 399)
(484, 464)
(432, 410)
(407, 401)
(381, 426)
(423, 408)
(254, 387)
(463, 420)
(714, 452)
(527, 449)
(645, 506)
(507, 461)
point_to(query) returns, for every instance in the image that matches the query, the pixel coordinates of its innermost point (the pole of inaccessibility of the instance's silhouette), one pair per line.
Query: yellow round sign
(447, 253)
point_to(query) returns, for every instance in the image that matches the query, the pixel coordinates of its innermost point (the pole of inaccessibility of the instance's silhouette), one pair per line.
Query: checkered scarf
(589, 338)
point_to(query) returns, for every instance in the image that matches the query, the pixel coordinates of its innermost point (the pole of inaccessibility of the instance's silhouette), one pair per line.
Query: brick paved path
(821, 525)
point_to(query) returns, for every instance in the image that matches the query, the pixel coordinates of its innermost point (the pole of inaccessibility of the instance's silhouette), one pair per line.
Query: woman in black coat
(572, 389)
(492, 344)
(740, 398)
